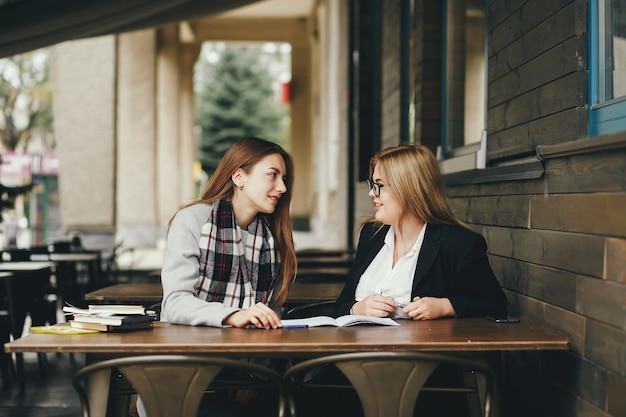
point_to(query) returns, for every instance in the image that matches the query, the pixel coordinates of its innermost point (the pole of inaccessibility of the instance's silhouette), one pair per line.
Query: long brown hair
(413, 178)
(244, 154)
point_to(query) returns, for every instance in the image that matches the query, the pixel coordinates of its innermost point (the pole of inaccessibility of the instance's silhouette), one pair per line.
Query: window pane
(615, 52)
(465, 73)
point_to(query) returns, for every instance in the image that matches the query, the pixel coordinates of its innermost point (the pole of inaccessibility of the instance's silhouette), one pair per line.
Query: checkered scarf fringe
(233, 273)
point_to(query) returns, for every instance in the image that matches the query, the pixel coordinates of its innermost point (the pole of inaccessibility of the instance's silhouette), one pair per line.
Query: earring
(239, 186)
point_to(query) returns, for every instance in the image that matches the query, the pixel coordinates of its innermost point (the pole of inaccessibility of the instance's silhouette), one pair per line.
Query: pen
(295, 326)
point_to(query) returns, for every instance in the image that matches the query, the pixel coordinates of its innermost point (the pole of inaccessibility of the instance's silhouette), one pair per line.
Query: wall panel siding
(567, 23)
(615, 260)
(524, 19)
(567, 323)
(576, 376)
(598, 213)
(523, 139)
(573, 252)
(616, 387)
(499, 10)
(604, 345)
(510, 210)
(564, 93)
(591, 173)
(602, 301)
(555, 63)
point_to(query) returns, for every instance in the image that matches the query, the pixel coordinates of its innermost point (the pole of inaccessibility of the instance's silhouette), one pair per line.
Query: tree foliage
(25, 100)
(234, 98)
(25, 110)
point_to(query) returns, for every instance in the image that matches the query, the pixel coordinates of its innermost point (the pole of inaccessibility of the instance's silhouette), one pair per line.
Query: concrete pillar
(136, 150)
(169, 174)
(303, 202)
(189, 142)
(83, 86)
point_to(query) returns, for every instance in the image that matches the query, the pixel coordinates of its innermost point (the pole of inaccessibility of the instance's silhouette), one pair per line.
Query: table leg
(17, 325)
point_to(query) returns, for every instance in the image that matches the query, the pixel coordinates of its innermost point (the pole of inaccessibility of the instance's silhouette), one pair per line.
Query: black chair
(169, 385)
(7, 367)
(387, 383)
(19, 255)
(320, 308)
(41, 250)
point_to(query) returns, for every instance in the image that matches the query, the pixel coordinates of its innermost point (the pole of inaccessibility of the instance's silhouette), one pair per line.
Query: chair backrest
(19, 255)
(169, 385)
(387, 383)
(61, 246)
(319, 308)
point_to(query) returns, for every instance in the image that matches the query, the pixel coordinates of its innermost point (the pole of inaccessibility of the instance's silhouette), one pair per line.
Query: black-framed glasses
(374, 187)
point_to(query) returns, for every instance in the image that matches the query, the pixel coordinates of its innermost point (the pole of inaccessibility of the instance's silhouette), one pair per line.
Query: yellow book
(60, 328)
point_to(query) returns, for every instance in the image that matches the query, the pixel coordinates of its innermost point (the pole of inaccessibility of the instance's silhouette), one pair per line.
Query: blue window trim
(608, 117)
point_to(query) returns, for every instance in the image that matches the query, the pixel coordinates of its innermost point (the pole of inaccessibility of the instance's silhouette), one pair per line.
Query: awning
(26, 25)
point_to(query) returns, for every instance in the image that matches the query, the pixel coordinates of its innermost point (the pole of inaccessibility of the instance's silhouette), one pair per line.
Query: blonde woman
(415, 259)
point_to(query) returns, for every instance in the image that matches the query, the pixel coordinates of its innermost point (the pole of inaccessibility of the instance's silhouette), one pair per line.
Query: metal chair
(388, 383)
(169, 385)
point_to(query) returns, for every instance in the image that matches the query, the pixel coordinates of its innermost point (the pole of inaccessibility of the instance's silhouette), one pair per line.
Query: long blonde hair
(244, 154)
(413, 178)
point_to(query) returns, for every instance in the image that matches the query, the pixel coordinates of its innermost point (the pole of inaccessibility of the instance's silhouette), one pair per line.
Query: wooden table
(66, 257)
(446, 335)
(150, 293)
(133, 293)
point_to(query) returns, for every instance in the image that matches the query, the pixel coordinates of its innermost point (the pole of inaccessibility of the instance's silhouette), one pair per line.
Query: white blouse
(382, 278)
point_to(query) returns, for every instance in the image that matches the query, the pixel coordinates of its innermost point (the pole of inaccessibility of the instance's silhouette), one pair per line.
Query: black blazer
(452, 264)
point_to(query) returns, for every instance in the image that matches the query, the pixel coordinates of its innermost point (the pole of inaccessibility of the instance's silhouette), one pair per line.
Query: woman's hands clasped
(259, 315)
(424, 308)
(429, 308)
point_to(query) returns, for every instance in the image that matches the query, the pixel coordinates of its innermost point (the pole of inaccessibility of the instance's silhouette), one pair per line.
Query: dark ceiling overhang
(26, 25)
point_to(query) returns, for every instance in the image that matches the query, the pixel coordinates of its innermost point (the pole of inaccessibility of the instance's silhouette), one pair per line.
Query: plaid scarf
(231, 272)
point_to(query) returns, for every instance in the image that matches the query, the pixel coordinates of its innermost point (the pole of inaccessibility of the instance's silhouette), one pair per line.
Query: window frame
(471, 155)
(604, 117)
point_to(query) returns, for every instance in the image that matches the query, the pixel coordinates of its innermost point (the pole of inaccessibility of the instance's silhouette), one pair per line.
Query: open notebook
(343, 321)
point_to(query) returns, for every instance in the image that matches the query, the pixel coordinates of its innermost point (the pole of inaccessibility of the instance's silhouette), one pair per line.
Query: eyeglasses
(374, 187)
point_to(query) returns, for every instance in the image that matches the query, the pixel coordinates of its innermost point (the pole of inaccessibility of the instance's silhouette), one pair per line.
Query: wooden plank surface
(447, 335)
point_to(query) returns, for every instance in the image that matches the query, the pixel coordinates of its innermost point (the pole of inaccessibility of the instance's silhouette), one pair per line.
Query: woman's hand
(375, 306)
(429, 308)
(259, 315)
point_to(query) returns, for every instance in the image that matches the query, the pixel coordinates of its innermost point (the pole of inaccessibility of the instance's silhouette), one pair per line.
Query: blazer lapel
(428, 252)
(377, 241)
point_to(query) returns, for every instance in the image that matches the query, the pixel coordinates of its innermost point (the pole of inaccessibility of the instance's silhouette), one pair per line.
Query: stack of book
(111, 318)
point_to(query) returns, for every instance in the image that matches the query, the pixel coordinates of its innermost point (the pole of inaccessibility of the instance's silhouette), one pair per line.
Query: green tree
(234, 98)
(25, 100)
(25, 110)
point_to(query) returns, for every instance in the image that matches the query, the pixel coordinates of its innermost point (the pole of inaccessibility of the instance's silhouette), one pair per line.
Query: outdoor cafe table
(446, 335)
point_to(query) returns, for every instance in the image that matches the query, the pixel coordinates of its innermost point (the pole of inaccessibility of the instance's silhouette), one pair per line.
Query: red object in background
(285, 92)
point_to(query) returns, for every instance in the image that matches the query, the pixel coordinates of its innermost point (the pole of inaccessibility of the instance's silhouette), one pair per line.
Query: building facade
(512, 95)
